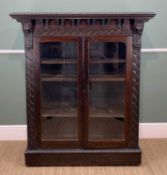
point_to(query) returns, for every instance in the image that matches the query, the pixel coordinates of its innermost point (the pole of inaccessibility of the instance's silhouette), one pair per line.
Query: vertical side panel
(31, 86)
(135, 84)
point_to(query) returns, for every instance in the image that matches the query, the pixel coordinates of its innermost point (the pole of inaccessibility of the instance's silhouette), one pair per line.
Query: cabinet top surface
(40, 15)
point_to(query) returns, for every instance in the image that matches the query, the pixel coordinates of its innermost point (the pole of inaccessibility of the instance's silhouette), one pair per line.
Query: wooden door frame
(112, 143)
(53, 143)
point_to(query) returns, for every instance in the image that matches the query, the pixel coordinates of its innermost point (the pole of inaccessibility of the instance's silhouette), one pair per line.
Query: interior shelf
(94, 78)
(58, 61)
(101, 78)
(59, 112)
(73, 61)
(106, 60)
(107, 112)
(67, 111)
(50, 77)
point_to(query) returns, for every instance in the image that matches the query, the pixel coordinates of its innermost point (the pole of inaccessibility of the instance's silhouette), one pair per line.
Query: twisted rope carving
(135, 85)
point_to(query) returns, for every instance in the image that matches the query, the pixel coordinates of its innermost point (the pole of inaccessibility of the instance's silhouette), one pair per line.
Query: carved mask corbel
(27, 29)
(139, 25)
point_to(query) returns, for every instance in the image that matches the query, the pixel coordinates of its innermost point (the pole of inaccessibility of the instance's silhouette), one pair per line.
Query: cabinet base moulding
(83, 157)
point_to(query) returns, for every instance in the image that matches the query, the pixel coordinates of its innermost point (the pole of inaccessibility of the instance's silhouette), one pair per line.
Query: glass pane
(107, 58)
(107, 91)
(58, 50)
(59, 91)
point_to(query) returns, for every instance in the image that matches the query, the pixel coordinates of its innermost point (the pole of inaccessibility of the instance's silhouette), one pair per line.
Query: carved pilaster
(136, 44)
(30, 82)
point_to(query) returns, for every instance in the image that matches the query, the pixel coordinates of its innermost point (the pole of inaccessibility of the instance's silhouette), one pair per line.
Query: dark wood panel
(83, 157)
(106, 60)
(58, 61)
(101, 78)
(50, 78)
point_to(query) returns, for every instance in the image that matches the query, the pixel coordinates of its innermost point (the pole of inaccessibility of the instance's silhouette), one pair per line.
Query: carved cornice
(82, 24)
(140, 15)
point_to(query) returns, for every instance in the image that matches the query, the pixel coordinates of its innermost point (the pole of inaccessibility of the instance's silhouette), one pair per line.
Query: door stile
(85, 88)
(128, 95)
(79, 93)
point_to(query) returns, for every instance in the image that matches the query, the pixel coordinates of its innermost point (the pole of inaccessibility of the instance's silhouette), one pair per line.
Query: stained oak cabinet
(82, 74)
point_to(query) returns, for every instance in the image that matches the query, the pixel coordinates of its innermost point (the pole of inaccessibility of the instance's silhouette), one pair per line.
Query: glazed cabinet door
(60, 89)
(107, 70)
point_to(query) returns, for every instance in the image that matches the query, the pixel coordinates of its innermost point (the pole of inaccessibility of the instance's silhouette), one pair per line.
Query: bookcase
(82, 80)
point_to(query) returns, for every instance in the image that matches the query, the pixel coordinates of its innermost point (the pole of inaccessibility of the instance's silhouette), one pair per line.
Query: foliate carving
(126, 24)
(136, 41)
(83, 31)
(112, 24)
(28, 41)
(80, 27)
(38, 25)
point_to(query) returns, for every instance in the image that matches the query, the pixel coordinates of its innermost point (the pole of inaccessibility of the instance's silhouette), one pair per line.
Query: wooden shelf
(59, 61)
(60, 112)
(74, 61)
(106, 60)
(95, 112)
(108, 78)
(48, 77)
(93, 78)
(113, 111)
